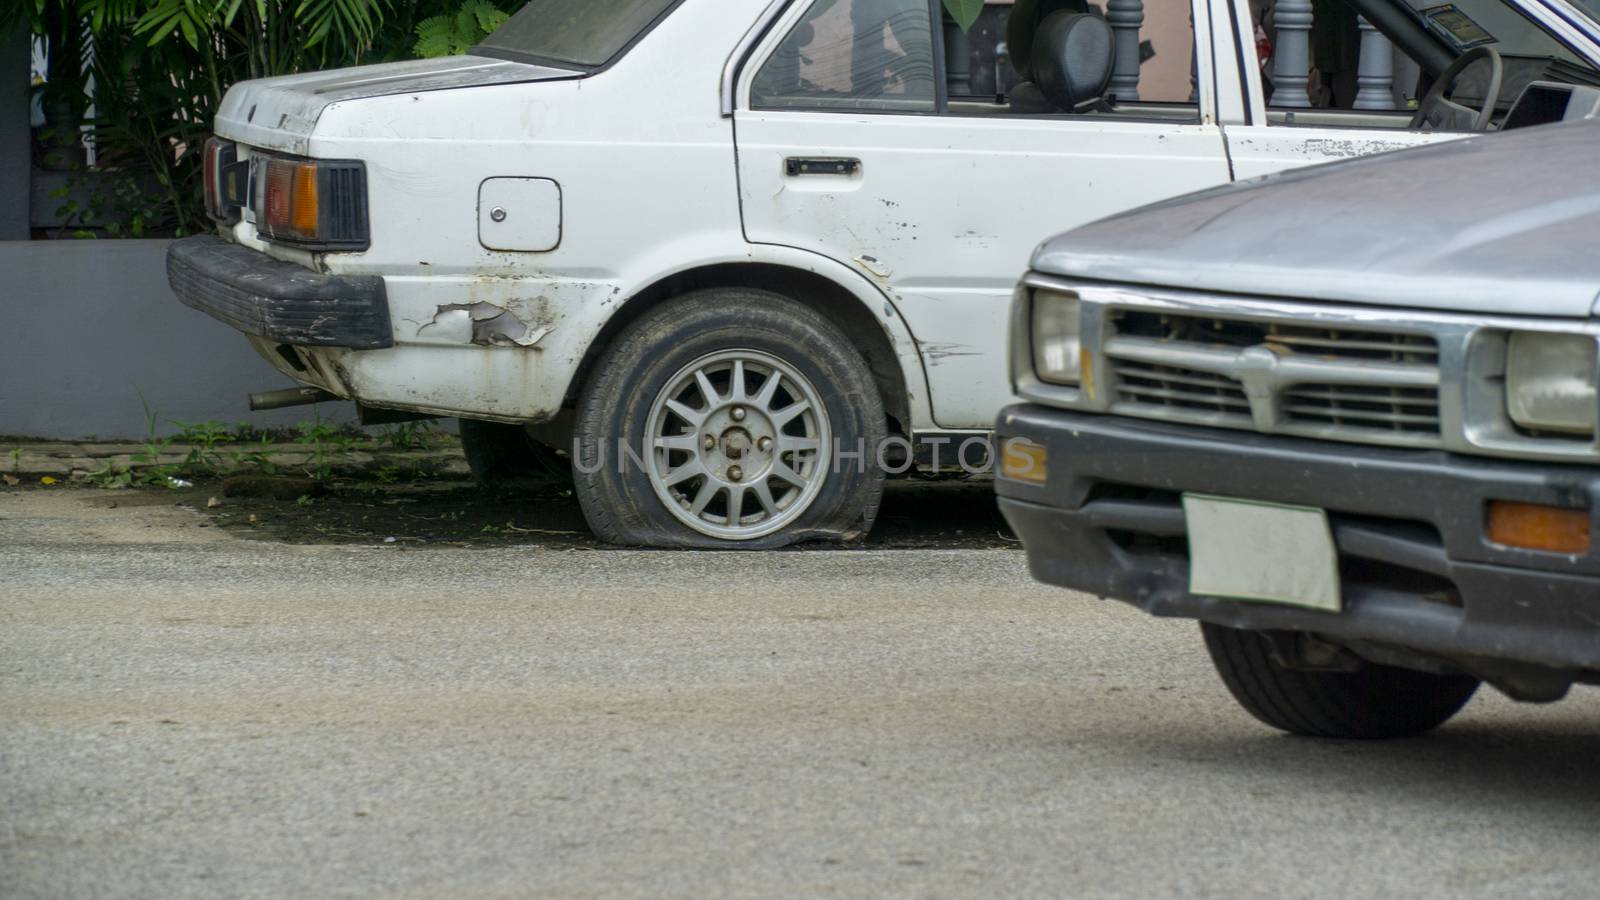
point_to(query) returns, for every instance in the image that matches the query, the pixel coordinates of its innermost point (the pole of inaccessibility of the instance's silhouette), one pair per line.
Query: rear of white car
(517, 237)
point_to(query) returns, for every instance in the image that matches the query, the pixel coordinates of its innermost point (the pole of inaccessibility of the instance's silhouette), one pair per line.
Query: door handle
(821, 165)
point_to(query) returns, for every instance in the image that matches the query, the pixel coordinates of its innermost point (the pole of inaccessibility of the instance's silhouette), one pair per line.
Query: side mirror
(1073, 55)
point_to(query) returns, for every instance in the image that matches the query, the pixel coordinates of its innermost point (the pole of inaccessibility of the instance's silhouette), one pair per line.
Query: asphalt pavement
(188, 713)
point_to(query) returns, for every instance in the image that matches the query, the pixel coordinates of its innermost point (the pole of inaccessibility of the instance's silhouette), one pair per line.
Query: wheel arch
(889, 351)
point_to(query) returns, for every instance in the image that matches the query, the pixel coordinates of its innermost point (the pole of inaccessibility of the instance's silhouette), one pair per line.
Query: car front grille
(1409, 410)
(1276, 376)
(1182, 390)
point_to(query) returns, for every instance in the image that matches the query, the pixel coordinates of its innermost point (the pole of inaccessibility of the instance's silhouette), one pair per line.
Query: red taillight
(219, 162)
(213, 153)
(278, 195)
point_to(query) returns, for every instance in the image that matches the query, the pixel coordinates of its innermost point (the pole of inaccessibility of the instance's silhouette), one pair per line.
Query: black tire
(1375, 701)
(505, 456)
(622, 507)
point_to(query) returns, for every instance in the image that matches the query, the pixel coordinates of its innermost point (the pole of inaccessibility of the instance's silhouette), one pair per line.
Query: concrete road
(183, 713)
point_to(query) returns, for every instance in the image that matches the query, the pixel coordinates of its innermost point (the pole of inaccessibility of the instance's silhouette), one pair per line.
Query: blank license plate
(1264, 552)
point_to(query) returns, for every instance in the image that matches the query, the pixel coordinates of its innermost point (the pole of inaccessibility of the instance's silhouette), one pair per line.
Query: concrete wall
(15, 67)
(87, 328)
(1166, 77)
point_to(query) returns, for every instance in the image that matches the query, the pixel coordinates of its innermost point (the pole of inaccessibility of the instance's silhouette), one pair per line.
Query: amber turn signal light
(1022, 460)
(1530, 526)
(303, 213)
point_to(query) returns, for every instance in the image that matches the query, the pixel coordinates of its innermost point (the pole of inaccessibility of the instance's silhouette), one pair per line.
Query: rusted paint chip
(496, 326)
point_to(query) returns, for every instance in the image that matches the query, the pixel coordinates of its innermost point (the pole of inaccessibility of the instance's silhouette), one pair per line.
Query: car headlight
(1551, 382)
(1056, 337)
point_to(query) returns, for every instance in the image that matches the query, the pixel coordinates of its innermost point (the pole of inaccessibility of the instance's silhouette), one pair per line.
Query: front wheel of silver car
(717, 420)
(1373, 701)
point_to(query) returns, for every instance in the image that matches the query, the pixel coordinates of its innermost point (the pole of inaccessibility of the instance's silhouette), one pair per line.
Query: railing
(1291, 61)
(1125, 18)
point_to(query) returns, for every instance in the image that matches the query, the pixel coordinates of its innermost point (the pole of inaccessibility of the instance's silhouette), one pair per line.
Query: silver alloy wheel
(739, 444)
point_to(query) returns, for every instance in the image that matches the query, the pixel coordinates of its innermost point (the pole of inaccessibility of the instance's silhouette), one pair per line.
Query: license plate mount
(1262, 552)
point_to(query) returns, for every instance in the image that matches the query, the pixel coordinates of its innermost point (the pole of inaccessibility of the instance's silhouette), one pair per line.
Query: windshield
(583, 33)
(1464, 24)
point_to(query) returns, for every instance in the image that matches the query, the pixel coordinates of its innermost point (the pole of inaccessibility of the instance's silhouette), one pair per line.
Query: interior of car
(1450, 66)
(1385, 64)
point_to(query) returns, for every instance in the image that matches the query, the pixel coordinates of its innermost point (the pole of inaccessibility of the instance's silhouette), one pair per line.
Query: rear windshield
(583, 33)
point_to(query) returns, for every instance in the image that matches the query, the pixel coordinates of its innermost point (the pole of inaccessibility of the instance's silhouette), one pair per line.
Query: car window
(993, 68)
(874, 55)
(584, 33)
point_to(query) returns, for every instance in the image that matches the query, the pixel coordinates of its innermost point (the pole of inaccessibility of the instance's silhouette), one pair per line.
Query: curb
(32, 461)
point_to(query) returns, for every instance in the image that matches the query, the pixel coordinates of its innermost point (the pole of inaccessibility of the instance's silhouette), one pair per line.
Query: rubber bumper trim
(277, 300)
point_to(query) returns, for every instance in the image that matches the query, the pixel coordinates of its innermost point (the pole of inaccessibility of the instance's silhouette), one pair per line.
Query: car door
(850, 146)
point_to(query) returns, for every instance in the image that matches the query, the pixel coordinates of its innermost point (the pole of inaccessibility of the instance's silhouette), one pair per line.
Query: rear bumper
(1417, 570)
(279, 301)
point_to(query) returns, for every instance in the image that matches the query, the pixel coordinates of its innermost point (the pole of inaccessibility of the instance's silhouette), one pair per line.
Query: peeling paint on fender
(872, 265)
(495, 326)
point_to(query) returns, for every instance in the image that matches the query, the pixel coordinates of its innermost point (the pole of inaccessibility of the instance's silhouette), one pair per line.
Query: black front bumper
(1416, 568)
(277, 300)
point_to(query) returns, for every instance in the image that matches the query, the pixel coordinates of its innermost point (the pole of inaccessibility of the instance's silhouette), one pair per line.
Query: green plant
(154, 446)
(305, 500)
(119, 204)
(112, 476)
(246, 433)
(965, 12)
(160, 69)
(274, 36)
(202, 438)
(328, 442)
(260, 460)
(404, 435)
(16, 458)
(454, 33)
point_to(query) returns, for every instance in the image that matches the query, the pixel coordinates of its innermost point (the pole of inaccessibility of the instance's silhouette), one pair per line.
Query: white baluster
(1291, 55)
(1125, 18)
(1375, 74)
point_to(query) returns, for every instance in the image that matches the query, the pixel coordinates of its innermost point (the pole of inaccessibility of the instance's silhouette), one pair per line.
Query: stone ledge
(67, 461)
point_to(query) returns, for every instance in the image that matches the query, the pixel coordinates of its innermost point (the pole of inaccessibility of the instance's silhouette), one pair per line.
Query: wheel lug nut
(764, 445)
(710, 442)
(735, 473)
(737, 413)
